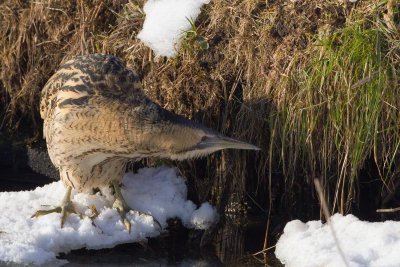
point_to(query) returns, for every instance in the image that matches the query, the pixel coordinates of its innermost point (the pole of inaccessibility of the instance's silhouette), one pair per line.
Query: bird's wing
(96, 77)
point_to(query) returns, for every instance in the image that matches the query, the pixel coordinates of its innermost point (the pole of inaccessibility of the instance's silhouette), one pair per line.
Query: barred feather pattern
(87, 106)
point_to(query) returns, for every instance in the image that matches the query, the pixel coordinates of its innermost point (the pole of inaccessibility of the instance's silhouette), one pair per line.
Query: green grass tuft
(342, 107)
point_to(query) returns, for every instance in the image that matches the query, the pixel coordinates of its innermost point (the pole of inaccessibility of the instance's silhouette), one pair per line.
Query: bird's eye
(203, 138)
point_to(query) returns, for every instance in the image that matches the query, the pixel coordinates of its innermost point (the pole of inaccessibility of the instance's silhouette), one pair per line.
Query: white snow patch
(363, 243)
(165, 23)
(204, 217)
(157, 191)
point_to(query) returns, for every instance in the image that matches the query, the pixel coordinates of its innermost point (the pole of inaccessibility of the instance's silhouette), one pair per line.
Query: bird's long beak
(223, 142)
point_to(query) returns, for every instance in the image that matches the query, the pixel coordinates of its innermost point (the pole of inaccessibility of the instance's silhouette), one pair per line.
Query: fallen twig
(388, 210)
(264, 250)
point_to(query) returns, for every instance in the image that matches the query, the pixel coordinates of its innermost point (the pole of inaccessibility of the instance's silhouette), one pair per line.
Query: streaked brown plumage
(97, 119)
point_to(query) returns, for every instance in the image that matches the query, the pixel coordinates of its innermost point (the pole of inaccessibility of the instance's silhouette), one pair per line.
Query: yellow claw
(95, 213)
(123, 208)
(65, 208)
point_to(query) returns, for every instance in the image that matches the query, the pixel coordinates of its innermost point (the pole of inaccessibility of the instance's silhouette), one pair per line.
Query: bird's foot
(95, 213)
(123, 208)
(65, 208)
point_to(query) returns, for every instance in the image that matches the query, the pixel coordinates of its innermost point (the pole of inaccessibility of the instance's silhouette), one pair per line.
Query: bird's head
(186, 139)
(161, 133)
(207, 144)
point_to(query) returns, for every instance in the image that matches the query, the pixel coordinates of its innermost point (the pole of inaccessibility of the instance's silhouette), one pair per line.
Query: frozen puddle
(157, 191)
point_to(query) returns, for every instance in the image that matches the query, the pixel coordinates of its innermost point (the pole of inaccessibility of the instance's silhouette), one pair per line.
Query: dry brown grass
(35, 38)
(252, 83)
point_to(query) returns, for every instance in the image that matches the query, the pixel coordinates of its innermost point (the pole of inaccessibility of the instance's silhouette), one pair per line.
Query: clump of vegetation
(192, 39)
(313, 83)
(341, 107)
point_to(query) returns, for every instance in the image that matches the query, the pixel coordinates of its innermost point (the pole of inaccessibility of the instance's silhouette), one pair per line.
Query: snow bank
(165, 22)
(157, 191)
(363, 243)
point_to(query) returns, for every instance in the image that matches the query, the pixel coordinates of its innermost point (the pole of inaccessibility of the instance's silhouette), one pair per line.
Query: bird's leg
(65, 208)
(123, 208)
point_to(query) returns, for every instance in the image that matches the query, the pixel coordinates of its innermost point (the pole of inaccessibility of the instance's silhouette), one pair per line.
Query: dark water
(231, 245)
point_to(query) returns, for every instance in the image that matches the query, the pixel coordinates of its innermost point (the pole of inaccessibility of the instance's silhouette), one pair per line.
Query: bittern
(97, 119)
